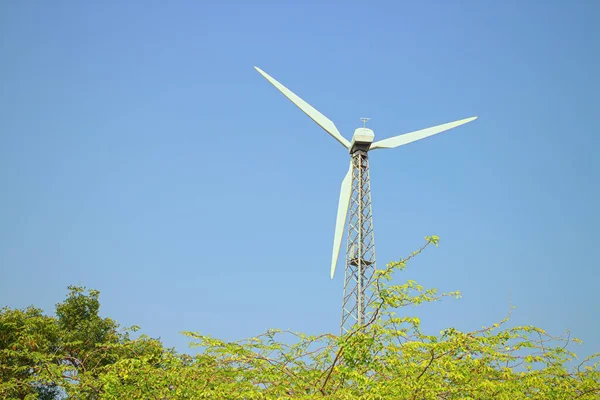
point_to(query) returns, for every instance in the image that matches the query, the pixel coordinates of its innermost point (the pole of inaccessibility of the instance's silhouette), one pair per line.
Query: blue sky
(142, 155)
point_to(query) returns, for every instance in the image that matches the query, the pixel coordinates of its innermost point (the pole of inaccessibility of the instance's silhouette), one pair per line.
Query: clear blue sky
(142, 155)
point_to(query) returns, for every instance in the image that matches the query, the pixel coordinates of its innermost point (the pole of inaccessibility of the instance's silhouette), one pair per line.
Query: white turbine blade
(315, 115)
(400, 140)
(345, 192)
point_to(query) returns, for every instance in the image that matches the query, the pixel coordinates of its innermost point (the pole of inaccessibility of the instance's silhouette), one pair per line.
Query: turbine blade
(315, 115)
(345, 192)
(400, 140)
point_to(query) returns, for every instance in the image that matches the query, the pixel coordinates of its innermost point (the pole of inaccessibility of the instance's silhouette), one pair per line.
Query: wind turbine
(355, 199)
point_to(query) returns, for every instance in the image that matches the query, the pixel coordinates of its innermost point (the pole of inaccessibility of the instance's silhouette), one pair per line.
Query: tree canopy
(78, 354)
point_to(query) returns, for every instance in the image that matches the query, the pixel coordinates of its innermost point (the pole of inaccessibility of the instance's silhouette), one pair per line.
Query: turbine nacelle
(361, 140)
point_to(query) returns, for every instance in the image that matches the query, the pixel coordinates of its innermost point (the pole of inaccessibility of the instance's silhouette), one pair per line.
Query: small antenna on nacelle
(364, 120)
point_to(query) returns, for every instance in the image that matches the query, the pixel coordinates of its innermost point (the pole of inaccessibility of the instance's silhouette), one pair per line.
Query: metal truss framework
(360, 255)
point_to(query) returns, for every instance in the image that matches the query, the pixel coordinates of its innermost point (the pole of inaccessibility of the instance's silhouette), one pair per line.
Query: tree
(387, 357)
(27, 343)
(390, 357)
(42, 356)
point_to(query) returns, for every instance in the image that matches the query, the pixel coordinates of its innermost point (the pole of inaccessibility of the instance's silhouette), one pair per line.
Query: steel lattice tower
(360, 253)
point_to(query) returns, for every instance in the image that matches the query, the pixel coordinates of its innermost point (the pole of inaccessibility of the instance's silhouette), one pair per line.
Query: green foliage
(27, 343)
(88, 357)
